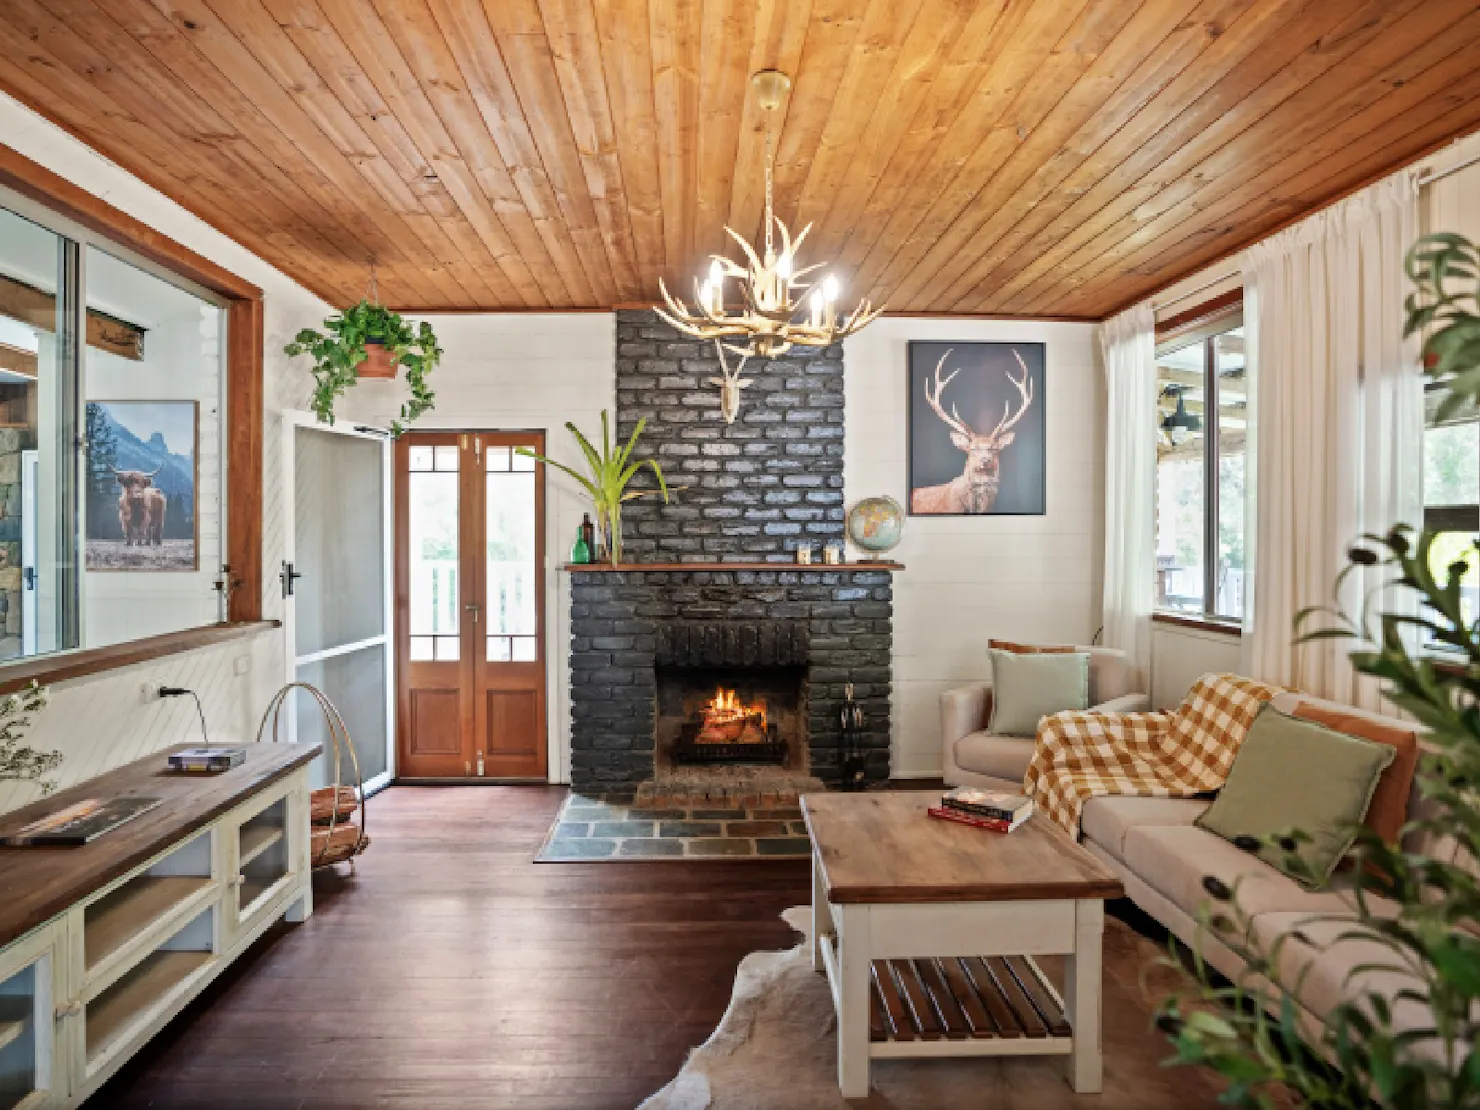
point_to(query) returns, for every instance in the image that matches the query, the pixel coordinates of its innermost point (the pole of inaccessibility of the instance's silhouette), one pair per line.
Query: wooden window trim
(1201, 624)
(1198, 316)
(244, 403)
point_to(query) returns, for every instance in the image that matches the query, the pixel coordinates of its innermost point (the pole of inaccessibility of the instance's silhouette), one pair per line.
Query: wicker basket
(334, 839)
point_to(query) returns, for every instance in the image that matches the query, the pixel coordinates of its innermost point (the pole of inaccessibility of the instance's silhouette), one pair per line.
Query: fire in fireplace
(729, 728)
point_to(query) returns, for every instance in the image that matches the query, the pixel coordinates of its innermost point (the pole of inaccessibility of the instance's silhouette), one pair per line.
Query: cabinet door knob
(240, 880)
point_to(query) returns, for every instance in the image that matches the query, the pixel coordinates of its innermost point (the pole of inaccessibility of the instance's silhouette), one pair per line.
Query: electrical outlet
(241, 665)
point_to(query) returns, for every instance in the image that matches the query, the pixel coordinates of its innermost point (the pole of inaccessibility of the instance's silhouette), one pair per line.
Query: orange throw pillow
(1389, 807)
(1029, 649)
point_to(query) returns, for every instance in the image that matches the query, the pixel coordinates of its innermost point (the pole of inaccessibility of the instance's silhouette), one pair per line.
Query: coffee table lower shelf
(960, 1006)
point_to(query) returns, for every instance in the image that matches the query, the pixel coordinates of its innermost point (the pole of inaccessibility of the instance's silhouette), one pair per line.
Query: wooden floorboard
(454, 972)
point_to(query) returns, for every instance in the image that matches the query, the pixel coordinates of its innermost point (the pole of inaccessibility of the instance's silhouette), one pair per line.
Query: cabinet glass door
(263, 860)
(25, 1033)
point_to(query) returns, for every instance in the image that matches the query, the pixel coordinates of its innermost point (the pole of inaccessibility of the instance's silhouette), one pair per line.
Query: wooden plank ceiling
(1039, 157)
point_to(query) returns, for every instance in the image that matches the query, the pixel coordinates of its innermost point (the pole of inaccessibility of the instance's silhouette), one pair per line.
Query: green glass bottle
(581, 552)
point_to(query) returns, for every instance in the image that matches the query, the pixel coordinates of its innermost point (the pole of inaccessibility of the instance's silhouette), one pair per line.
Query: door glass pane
(152, 483)
(510, 574)
(1180, 497)
(431, 527)
(355, 683)
(338, 497)
(1233, 423)
(35, 341)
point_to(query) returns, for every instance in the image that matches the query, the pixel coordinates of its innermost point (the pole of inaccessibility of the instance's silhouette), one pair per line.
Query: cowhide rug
(776, 1048)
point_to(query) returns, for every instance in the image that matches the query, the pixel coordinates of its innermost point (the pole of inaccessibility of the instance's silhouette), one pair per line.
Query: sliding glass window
(1202, 420)
(111, 467)
(1451, 496)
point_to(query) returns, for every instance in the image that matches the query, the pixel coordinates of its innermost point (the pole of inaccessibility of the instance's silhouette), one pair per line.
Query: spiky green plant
(338, 350)
(612, 469)
(1250, 1030)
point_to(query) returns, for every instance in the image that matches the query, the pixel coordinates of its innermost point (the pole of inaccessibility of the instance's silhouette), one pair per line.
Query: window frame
(33, 191)
(1204, 324)
(1462, 518)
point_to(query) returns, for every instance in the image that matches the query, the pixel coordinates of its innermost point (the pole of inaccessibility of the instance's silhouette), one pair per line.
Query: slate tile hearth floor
(611, 827)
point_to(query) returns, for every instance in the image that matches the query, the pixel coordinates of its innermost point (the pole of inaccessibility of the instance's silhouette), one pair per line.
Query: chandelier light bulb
(706, 296)
(830, 288)
(783, 266)
(716, 275)
(816, 300)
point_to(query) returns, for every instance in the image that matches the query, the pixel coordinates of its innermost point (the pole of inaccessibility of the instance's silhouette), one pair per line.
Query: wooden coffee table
(927, 930)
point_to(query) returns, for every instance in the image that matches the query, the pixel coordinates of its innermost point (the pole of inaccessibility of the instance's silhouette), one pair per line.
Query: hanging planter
(368, 340)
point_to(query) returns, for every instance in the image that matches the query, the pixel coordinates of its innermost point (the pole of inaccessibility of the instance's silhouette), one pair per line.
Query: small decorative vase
(580, 554)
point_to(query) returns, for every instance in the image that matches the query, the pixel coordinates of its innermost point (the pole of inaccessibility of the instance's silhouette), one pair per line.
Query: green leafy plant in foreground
(612, 469)
(338, 350)
(1254, 1031)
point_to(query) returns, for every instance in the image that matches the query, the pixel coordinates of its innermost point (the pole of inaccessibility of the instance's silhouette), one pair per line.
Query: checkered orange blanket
(1170, 755)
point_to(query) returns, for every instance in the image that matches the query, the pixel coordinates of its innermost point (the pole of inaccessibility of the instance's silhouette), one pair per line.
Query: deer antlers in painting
(730, 384)
(976, 488)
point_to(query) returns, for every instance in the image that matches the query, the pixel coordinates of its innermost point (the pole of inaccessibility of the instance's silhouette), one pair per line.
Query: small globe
(876, 524)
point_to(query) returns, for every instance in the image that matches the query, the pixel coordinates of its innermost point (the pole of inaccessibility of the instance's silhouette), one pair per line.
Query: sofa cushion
(1003, 757)
(1027, 688)
(1389, 809)
(1107, 819)
(1321, 972)
(1289, 774)
(1174, 859)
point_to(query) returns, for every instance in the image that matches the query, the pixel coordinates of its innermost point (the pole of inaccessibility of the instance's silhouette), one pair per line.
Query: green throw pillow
(1296, 774)
(1026, 688)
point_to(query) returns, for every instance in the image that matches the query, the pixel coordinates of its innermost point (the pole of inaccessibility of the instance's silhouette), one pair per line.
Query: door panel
(436, 728)
(470, 605)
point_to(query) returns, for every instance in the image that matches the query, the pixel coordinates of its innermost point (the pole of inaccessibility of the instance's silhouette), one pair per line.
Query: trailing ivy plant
(1250, 1030)
(338, 350)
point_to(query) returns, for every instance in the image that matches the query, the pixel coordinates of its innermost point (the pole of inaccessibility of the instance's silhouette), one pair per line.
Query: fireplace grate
(687, 750)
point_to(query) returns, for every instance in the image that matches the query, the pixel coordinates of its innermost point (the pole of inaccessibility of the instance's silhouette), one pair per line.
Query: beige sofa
(972, 756)
(1162, 859)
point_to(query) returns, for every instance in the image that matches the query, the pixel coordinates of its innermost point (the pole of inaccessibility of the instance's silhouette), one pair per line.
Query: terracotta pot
(378, 362)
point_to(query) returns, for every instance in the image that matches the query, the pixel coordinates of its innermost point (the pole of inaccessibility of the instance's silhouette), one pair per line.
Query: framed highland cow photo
(977, 434)
(141, 476)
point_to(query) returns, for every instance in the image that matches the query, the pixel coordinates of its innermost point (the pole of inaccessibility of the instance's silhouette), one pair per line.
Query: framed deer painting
(977, 431)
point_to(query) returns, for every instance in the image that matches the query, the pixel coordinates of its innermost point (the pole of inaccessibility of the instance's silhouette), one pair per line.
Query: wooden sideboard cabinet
(104, 944)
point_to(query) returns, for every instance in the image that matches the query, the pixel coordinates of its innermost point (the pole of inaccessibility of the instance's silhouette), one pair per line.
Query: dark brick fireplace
(645, 642)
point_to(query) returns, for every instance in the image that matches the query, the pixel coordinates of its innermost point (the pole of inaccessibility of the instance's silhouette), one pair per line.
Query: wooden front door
(470, 585)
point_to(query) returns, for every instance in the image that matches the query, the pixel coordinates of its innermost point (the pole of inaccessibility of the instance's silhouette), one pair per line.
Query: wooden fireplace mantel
(640, 568)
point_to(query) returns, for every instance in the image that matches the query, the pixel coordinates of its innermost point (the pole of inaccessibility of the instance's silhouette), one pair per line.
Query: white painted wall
(516, 372)
(1030, 578)
(104, 721)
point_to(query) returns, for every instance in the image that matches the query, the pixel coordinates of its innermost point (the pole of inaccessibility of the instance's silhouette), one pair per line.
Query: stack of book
(997, 810)
(207, 760)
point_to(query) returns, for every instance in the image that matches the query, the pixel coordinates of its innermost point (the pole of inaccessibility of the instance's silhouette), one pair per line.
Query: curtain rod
(1428, 177)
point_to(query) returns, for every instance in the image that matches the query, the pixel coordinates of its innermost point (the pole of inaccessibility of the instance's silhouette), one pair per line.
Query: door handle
(473, 607)
(289, 576)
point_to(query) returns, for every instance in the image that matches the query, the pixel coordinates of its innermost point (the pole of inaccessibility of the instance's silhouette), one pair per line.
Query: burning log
(726, 720)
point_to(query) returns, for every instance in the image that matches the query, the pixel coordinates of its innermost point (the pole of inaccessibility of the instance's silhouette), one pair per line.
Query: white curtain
(1338, 424)
(1128, 348)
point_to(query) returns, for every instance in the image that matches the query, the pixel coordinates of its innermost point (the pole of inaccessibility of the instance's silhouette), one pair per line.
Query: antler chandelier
(765, 322)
